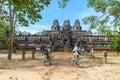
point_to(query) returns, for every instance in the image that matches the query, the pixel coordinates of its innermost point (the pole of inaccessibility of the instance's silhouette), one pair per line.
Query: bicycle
(76, 61)
(48, 61)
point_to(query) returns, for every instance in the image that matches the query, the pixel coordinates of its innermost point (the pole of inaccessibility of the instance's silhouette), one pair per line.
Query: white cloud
(35, 28)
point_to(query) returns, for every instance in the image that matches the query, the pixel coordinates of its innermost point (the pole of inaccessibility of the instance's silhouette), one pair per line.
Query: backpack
(46, 52)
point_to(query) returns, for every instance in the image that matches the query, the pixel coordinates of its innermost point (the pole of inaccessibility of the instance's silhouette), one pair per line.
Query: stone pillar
(105, 56)
(33, 54)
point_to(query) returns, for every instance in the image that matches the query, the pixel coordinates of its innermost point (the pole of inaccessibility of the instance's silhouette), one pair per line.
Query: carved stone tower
(66, 25)
(76, 25)
(66, 34)
(55, 25)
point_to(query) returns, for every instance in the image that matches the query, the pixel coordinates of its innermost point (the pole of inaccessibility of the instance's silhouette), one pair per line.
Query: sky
(75, 9)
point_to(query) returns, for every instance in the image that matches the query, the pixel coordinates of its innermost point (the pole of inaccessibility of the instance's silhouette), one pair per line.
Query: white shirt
(92, 50)
(75, 50)
(49, 50)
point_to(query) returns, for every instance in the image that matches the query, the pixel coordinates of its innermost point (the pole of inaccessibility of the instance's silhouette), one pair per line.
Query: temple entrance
(65, 42)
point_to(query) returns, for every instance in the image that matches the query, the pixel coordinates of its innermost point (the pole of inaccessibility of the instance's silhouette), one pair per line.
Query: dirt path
(30, 69)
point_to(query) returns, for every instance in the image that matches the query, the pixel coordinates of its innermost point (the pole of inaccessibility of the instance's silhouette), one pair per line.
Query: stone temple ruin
(65, 37)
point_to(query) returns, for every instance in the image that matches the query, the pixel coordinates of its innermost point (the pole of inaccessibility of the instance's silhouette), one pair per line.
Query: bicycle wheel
(80, 62)
(71, 61)
(45, 63)
(52, 58)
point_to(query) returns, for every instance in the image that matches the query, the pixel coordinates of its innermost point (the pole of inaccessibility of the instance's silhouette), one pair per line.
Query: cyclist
(76, 51)
(47, 53)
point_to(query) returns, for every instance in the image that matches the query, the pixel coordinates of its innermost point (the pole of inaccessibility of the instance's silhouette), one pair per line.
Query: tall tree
(110, 10)
(22, 12)
(115, 44)
(109, 22)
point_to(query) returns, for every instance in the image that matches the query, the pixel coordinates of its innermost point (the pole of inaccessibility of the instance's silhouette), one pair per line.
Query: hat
(48, 46)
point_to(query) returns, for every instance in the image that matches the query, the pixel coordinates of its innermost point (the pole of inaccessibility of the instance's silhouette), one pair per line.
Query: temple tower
(76, 25)
(66, 34)
(66, 25)
(55, 25)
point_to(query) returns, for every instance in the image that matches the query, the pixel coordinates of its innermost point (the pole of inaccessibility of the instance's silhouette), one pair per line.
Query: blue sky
(76, 9)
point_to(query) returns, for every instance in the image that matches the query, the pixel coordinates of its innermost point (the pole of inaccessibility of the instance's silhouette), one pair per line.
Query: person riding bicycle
(47, 53)
(76, 51)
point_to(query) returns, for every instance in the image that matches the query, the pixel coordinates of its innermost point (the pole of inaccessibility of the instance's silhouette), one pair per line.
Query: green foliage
(117, 27)
(109, 7)
(115, 44)
(62, 3)
(110, 10)
(117, 24)
(25, 12)
(21, 12)
(117, 38)
(3, 27)
(90, 20)
(15, 42)
(109, 22)
(98, 5)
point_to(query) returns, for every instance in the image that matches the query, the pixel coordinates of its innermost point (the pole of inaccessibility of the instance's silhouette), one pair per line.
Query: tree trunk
(33, 54)
(10, 47)
(10, 44)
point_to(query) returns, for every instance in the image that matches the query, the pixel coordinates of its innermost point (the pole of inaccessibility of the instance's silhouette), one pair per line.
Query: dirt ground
(33, 69)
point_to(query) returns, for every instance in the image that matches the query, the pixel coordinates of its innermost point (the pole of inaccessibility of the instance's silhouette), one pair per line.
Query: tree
(22, 12)
(3, 37)
(110, 10)
(109, 22)
(115, 44)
